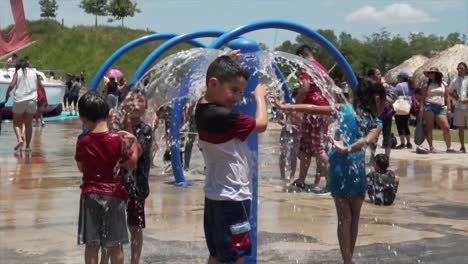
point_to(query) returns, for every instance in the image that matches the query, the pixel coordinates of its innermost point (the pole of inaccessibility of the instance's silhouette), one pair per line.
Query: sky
(359, 18)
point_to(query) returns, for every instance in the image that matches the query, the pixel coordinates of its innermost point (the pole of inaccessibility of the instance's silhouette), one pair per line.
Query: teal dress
(347, 172)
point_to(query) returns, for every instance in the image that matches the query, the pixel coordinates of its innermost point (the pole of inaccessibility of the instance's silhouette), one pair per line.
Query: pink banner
(18, 36)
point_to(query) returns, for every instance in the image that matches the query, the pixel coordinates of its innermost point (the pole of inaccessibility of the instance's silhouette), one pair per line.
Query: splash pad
(183, 71)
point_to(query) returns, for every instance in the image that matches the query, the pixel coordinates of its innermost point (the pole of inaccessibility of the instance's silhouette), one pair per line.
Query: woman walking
(25, 103)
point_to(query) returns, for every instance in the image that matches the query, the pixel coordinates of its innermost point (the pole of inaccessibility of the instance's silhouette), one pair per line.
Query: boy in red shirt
(100, 154)
(314, 127)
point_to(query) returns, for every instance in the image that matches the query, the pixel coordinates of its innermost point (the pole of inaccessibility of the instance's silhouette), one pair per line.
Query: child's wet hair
(93, 107)
(226, 69)
(140, 92)
(304, 50)
(365, 93)
(382, 161)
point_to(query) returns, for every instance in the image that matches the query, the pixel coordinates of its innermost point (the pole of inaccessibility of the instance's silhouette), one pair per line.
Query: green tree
(122, 8)
(48, 8)
(94, 7)
(454, 38)
(287, 46)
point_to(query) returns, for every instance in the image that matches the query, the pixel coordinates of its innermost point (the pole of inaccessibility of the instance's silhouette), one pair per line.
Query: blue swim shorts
(227, 227)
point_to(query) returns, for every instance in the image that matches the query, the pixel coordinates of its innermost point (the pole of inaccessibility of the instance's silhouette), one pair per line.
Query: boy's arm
(261, 116)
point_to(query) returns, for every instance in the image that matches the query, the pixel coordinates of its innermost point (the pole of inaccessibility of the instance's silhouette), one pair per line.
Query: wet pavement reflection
(39, 194)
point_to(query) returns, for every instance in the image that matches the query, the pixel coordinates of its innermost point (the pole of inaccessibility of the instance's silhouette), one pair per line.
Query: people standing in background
(189, 120)
(66, 95)
(111, 93)
(83, 78)
(437, 106)
(404, 88)
(123, 89)
(74, 95)
(290, 139)
(11, 62)
(459, 90)
(345, 88)
(376, 76)
(41, 102)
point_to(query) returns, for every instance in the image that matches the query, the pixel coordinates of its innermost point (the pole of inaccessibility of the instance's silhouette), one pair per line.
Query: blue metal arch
(177, 39)
(127, 47)
(287, 25)
(179, 103)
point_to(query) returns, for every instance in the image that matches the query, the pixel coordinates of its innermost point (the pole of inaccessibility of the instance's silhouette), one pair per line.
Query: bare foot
(28, 149)
(19, 145)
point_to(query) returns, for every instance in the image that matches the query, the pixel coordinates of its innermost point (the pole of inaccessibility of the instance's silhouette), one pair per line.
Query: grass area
(436, 134)
(85, 47)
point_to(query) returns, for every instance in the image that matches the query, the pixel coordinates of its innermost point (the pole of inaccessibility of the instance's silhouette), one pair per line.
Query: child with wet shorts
(222, 134)
(290, 138)
(129, 118)
(100, 156)
(382, 184)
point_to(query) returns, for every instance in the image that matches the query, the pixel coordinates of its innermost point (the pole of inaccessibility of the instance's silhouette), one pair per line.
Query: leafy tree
(94, 7)
(288, 46)
(454, 38)
(379, 50)
(122, 8)
(48, 8)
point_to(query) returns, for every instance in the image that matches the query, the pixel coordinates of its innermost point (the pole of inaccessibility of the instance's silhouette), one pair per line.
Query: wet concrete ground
(39, 196)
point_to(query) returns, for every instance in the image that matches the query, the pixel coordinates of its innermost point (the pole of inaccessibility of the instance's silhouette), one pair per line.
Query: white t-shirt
(460, 86)
(222, 133)
(26, 85)
(436, 94)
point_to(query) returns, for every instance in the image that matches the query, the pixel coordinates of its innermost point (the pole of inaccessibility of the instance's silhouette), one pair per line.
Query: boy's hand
(235, 54)
(261, 90)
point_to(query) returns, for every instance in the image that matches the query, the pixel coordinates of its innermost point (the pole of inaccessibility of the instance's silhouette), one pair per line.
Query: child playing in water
(382, 183)
(347, 175)
(347, 160)
(100, 154)
(314, 128)
(222, 139)
(133, 109)
(290, 137)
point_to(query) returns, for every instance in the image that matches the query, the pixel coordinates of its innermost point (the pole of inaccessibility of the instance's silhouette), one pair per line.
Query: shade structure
(446, 61)
(410, 65)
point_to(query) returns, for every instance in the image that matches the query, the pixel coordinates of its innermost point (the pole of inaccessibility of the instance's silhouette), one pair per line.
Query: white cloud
(395, 13)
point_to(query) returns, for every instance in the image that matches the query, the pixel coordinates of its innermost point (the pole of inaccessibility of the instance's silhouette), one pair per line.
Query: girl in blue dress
(347, 172)
(358, 128)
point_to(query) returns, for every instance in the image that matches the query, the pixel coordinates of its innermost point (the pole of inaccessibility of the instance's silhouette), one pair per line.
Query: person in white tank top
(437, 106)
(24, 83)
